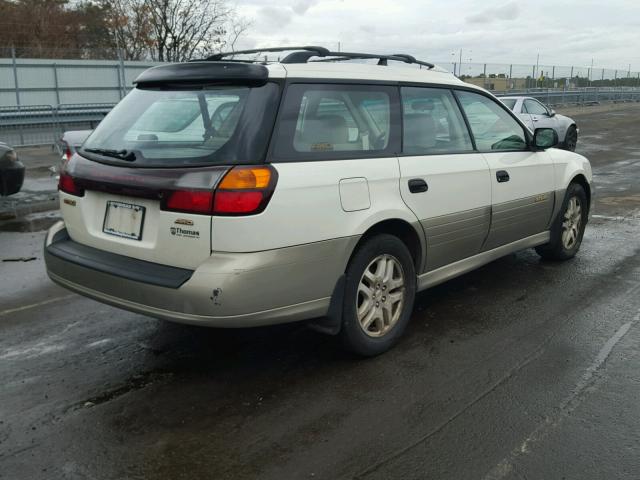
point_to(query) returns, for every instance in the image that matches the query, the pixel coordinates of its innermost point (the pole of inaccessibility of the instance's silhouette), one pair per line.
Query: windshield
(160, 127)
(509, 102)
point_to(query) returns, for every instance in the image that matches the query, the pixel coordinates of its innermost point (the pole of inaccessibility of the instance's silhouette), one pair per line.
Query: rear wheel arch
(409, 235)
(402, 229)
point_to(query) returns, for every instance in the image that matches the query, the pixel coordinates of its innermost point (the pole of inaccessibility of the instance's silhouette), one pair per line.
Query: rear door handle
(502, 176)
(418, 185)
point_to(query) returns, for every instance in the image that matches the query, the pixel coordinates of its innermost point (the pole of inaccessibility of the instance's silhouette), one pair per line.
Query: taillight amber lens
(242, 178)
(244, 191)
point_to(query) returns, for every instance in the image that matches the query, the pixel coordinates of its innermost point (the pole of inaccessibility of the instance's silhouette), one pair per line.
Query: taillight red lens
(67, 151)
(67, 184)
(189, 201)
(242, 191)
(237, 201)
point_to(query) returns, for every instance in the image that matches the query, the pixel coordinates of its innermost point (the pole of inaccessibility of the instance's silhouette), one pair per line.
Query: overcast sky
(563, 32)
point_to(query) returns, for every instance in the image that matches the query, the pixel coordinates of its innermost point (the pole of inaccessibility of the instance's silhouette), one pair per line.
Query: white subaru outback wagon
(237, 193)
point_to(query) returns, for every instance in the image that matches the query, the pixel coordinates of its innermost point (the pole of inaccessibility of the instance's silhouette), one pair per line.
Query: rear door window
(432, 122)
(337, 121)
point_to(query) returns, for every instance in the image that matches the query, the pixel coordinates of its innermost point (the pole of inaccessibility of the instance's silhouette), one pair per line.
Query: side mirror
(544, 138)
(552, 113)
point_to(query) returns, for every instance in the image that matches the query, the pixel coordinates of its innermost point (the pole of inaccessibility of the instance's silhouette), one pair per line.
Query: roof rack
(303, 54)
(221, 55)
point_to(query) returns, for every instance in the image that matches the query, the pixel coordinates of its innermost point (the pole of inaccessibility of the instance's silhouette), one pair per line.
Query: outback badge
(183, 221)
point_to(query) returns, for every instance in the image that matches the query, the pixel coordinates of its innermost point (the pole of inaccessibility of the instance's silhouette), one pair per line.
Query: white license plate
(124, 220)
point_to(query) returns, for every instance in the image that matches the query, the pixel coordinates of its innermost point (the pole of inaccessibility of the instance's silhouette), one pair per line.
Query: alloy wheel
(381, 295)
(572, 223)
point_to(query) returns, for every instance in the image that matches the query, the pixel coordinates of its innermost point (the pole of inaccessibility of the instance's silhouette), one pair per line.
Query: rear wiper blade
(107, 152)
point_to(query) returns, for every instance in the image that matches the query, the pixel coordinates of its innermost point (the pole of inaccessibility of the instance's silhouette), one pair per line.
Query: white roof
(359, 71)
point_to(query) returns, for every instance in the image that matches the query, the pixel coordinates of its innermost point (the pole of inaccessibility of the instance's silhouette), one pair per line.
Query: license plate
(124, 220)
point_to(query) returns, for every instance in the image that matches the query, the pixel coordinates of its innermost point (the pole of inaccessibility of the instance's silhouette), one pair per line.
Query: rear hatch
(143, 183)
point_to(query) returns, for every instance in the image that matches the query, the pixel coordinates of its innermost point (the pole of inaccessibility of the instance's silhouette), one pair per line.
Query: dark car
(11, 171)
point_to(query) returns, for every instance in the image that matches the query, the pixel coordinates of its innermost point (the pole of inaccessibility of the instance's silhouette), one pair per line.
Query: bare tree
(184, 29)
(172, 30)
(237, 26)
(131, 26)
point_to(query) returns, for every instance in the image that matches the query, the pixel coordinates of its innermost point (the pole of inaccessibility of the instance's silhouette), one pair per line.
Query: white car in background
(71, 141)
(535, 114)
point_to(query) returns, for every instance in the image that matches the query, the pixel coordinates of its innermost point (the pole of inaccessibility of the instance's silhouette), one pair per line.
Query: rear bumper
(227, 290)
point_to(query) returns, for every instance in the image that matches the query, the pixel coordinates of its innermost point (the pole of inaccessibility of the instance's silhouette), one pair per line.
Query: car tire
(568, 227)
(380, 289)
(571, 139)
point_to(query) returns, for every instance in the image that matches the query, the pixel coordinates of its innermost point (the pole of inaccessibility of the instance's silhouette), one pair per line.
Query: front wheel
(379, 295)
(568, 228)
(571, 139)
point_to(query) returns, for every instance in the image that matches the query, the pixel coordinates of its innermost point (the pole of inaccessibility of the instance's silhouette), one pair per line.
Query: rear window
(509, 102)
(169, 127)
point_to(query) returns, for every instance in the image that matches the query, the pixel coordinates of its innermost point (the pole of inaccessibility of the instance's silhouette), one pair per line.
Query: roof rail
(221, 55)
(304, 54)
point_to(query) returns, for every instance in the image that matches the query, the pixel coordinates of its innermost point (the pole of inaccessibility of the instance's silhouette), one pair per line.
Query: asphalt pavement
(521, 369)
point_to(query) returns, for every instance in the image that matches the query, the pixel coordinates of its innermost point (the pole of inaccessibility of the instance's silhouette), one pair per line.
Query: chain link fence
(41, 98)
(506, 77)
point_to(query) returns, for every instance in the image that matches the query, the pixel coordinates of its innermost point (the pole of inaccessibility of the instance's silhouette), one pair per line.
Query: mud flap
(332, 322)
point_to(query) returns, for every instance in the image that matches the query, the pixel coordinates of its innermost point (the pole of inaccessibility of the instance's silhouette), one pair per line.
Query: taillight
(242, 191)
(227, 202)
(189, 201)
(67, 184)
(67, 151)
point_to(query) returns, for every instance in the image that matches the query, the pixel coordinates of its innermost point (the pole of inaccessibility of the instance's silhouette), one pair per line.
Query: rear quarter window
(333, 121)
(509, 102)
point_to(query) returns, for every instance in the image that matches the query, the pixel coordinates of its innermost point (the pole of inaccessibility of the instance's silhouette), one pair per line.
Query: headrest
(329, 129)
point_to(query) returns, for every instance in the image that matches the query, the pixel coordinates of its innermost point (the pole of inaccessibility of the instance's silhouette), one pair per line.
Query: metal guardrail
(34, 125)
